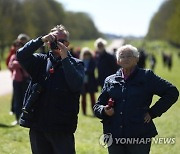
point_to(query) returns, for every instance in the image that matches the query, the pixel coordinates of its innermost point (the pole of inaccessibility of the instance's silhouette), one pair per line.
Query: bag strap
(31, 83)
(48, 67)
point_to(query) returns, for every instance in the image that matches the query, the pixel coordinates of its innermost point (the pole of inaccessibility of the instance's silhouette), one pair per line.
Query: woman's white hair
(100, 40)
(85, 50)
(129, 47)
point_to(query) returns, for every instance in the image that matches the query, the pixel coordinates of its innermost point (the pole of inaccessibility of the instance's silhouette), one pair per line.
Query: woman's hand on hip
(147, 118)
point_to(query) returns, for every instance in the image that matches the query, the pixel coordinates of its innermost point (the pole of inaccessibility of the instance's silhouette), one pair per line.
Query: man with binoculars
(51, 103)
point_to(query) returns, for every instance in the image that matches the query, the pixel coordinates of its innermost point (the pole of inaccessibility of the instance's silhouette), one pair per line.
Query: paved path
(5, 82)
(115, 44)
(5, 75)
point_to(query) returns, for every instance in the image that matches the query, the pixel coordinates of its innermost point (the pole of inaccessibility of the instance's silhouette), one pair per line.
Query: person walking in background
(20, 41)
(169, 61)
(90, 82)
(178, 54)
(130, 116)
(57, 78)
(142, 58)
(106, 63)
(20, 82)
(152, 60)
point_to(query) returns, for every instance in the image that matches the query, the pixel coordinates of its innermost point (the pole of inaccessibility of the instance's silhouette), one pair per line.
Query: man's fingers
(60, 45)
(52, 38)
(147, 118)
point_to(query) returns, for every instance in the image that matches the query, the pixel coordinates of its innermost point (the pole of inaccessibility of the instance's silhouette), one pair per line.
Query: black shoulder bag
(31, 99)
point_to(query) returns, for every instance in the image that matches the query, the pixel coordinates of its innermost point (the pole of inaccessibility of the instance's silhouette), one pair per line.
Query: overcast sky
(120, 17)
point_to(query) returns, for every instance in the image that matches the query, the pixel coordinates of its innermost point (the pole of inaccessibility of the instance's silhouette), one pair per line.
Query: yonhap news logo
(106, 140)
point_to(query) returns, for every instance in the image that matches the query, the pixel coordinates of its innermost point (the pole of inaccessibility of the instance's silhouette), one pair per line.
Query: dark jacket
(58, 105)
(90, 82)
(106, 65)
(133, 98)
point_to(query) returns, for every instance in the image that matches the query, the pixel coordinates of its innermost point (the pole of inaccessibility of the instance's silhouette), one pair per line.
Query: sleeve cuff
(151, 114)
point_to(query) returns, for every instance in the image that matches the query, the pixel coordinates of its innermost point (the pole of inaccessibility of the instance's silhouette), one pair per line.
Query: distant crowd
(101, 60)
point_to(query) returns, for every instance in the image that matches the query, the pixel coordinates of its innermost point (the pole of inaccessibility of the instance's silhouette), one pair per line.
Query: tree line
(37, 17)
(166, 22)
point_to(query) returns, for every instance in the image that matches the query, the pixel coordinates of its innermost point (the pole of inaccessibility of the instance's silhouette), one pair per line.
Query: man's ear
(66, 43)
(137, 59)
(118, 62)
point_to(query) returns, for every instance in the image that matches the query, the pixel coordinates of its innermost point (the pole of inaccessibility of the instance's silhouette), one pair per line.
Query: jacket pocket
(106, 125)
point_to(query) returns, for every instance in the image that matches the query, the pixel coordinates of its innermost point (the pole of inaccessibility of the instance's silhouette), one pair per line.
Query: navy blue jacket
(58, 105)
(133, 98)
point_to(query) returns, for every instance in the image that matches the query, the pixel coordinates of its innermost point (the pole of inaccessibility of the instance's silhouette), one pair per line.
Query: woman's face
(87, 56)
(127, 60)
(18, 45)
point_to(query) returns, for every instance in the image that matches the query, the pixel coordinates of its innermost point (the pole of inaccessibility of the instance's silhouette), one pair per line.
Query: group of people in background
(98, 65)
(100, 60)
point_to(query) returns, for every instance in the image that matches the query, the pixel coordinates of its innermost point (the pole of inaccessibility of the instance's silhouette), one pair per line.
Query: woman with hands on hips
(130, 116)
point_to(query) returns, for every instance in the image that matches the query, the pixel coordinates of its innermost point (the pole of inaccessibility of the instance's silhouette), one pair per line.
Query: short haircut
(61, 28)
(129, 47)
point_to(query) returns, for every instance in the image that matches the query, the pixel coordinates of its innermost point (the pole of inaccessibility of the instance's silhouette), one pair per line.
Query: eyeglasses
(54, 44)
(62, 40)
(125, 56)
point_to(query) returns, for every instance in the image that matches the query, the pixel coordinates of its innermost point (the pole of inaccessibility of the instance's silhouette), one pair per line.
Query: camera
(53, 45)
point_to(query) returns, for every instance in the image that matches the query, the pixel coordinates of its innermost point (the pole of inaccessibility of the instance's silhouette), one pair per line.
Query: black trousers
(19, 88)
(51, 143)
(129, 148)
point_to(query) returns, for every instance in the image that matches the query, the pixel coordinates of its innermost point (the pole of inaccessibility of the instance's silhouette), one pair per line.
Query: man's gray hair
(129, 47)
(62, 29)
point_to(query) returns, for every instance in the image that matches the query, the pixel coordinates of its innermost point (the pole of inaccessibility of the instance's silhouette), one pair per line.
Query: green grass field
(14, 140)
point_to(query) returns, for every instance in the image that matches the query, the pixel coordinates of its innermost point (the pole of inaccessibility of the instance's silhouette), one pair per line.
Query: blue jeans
(51, 143)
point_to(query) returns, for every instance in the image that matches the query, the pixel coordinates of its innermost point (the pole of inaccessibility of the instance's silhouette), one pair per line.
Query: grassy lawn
(14, 140)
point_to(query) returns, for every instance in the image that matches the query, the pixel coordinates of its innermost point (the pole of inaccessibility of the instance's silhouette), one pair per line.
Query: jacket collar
(119, 74)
